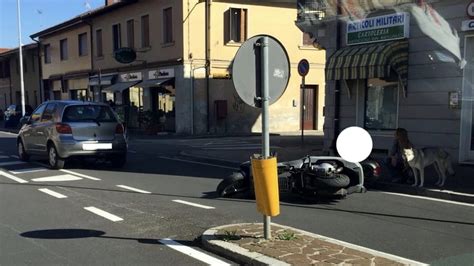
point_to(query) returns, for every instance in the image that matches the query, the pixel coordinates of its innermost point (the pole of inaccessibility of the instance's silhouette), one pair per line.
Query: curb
(427, 192)
(235, 252)
(244, 256)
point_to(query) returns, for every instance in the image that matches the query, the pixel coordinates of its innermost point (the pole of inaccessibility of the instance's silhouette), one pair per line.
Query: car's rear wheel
(55, 162)
(21, 152)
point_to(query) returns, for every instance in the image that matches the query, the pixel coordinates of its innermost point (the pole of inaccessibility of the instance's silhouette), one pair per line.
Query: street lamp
(22, 84)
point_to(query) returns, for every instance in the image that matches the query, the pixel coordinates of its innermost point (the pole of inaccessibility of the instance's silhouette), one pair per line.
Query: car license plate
(96, 146)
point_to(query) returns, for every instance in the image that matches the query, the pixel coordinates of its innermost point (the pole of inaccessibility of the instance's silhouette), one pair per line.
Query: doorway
(310, 107)
(467, 112)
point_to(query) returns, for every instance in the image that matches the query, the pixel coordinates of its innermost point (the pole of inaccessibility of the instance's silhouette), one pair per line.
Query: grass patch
(286, 235)
(230, 235)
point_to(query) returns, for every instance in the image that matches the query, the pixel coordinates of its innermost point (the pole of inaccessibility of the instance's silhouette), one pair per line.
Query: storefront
(408, 66)
(99, 82)
(78, 89)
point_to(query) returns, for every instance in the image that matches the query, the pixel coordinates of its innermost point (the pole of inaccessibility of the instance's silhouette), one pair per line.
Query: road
(125, 216)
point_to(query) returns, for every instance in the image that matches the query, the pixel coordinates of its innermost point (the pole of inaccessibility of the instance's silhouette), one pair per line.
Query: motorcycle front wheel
(336, 181)
(231, 185)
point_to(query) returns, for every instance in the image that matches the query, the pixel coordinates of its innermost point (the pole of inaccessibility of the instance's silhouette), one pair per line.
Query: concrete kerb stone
(233, 251)
(242, 255)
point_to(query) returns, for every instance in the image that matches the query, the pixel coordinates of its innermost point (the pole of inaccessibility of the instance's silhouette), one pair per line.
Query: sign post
(303, 69)
(260, 74)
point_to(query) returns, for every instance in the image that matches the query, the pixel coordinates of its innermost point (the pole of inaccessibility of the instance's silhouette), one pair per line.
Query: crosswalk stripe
(192, 252)
(134, 189)
(27, 170)
(12, 177)
(106, 215)
(52, 193)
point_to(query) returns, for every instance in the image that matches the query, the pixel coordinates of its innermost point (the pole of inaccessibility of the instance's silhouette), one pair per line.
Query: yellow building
(10, 88)
(182, 65)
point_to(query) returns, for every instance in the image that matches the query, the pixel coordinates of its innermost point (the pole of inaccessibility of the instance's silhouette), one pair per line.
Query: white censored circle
(354, 144)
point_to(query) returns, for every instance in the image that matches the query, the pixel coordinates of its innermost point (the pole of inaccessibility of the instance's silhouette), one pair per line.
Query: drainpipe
(208, 56)
(40, 71)
(337, 90)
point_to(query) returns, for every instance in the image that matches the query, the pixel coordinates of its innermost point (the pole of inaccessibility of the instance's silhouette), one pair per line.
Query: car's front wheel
(21, 152)
(55, 162)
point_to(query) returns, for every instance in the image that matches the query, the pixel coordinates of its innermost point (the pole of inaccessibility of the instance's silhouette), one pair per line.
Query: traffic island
(245, 244)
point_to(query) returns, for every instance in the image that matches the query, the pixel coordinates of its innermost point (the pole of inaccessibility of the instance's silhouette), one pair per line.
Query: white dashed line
(194, 162)
(27, 170)
(52, 193)
(4, 157)
(192, 252)
(57, 178)
(134, 189)
(9, 133)
(11, 163)
(432, 199)
(15, 156)
(78, 174)
(104, 214)
(194, 204)
(12, 177)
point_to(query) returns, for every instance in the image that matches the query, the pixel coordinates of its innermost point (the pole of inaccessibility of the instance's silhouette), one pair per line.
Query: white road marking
(194, 204)
(27, 170)
(192, 252)
(194, 162)
(57, 178)
(104, 214)
(79, 174)
(15, 156)
(9, 133)
(11, 163)
(12, 177)
(432, 199)
(134, 189)
(452, 192)
(4, 157)
(52, 193)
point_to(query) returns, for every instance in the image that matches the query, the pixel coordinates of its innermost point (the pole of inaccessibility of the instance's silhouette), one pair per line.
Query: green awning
(375, 60)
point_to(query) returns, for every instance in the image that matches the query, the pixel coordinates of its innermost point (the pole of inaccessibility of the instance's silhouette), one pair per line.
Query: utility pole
(22, 84)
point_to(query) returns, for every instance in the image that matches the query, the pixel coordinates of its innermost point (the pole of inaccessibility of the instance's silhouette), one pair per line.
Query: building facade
(397, 64)
(180, 63)
(10, 87)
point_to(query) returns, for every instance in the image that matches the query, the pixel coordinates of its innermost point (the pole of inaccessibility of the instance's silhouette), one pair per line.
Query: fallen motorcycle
(310, 175)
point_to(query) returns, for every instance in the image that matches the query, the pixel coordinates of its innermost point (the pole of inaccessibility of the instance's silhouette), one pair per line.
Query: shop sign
(136, 76)
(467, 25)
(377, 29)
(125, 55)
(161, 73)
(470, 9)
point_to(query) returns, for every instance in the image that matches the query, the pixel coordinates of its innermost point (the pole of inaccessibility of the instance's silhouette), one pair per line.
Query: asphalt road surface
(154, 210)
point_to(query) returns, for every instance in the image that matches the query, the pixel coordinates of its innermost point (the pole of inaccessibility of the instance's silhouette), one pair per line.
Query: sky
(37, 15)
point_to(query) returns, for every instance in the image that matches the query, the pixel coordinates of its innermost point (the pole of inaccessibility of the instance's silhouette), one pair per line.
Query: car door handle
(40, 133)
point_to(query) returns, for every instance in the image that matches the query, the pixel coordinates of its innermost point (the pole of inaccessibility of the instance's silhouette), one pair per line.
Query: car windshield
(83, 113)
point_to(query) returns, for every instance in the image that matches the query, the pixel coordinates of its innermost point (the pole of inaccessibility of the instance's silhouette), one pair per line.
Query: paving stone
(350, 251)
(330, 252)
(319, 257)
(383, 261)
(272, 252)
(334, 261)
(359, 262)
(344, 257)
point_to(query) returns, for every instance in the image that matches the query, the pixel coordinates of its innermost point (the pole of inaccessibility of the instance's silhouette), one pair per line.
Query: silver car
(62, 130)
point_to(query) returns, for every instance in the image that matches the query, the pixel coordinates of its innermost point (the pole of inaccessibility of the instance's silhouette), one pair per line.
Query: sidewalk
(245, 244)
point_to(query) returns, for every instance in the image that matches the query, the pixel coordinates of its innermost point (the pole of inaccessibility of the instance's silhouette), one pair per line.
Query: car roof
(72, 102)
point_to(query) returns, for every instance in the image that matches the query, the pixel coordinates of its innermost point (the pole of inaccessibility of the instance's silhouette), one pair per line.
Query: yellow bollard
(265, 178)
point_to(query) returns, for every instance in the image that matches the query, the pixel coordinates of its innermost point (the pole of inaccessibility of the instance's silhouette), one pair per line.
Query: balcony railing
(312, 9)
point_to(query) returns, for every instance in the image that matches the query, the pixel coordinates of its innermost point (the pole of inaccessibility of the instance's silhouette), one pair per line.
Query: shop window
(235, 20)
(381, 105)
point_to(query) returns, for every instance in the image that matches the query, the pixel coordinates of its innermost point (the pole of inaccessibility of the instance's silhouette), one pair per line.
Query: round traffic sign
(303, 67)
(246, 70)
(470, 9)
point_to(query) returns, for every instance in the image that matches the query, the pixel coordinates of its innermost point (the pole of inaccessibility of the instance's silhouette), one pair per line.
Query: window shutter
(227, 26)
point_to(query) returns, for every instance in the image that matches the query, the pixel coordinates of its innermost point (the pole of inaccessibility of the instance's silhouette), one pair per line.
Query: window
(88, 113)
(236, 25)
(33, 58)
(167, 25)
(48, 115)
(47, 53)
(63, 49)
(307, 40)
(2, 72)
(25, 65)
(145, 31)
(130, 34)
(98, 39)
(17, 63)
(82, 39)
(35, 117)
(116, 36)
(381, 105)
(6, 69)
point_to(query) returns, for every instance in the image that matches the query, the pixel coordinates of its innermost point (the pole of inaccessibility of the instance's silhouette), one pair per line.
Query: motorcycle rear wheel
(231, 185)
(337, 181)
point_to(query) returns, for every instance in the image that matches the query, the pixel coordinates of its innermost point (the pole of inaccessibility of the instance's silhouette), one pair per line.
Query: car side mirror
(25, 120)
